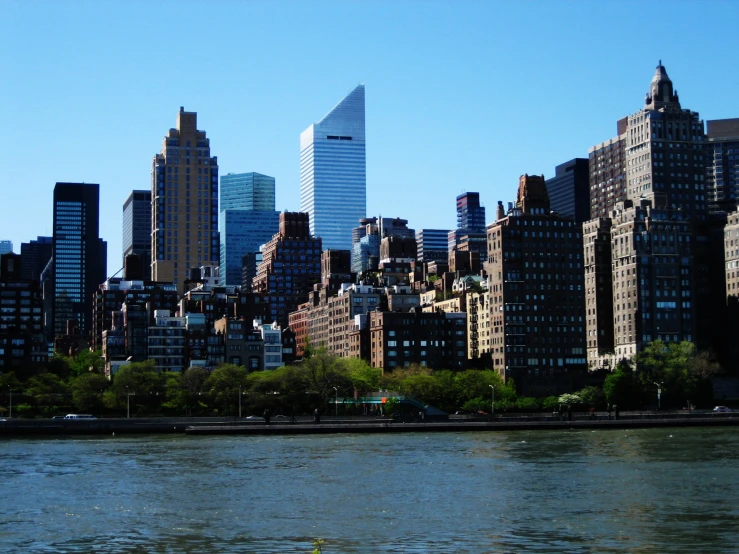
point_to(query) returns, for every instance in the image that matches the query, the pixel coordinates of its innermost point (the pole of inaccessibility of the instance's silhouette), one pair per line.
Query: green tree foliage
(620, 388)
(683, 373)
(87, 391)
(225, 384)
(592, 396)
(186, 392)
(85, 362)
(141, 381)
(323, 372)
(48, 390)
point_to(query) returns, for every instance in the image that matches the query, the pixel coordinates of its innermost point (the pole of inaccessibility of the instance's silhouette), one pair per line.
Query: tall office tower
(432, 245)
(722, 164)
(333, 172)
(34, 257)
(6, 246)
(137, 228)
(247, 191)
(247, 219)
(652, 270)
(470, 232)
(663, 160)
(184, 189)
(569, 190)
(537, 298)
(360, 231)
(80, 256)
(291, 265)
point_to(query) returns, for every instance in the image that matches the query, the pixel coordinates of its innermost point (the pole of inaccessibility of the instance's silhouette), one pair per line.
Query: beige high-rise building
(184, 191)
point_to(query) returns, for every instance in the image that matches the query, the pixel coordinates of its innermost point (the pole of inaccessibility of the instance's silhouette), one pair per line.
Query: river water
(665, 490)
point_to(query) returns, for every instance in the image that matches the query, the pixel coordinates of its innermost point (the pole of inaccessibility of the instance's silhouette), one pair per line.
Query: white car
(722, 409)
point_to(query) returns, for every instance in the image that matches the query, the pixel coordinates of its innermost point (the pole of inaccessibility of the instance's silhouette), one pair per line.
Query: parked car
(79, 416)
(722, 410)
(254, 417)
(57, 417)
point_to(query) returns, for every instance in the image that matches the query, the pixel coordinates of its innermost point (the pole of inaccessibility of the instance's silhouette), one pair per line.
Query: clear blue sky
(460, 95)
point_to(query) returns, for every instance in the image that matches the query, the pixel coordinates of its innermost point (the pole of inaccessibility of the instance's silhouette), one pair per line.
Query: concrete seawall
(305, 426)
(454, 427)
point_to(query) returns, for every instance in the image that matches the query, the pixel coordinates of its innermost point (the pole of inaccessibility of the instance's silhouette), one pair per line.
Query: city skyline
(448, 113)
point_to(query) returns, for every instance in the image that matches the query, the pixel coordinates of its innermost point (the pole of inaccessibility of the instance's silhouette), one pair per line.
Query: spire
(661, 93)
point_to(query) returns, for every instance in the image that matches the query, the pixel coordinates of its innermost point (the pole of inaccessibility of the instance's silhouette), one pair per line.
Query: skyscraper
(243, 232)
(247, 219)
(247, 191)
(658, 155)
(184, 189)
(291, 265)
(80, 256)
(470, 233)
(333, 173)
(722, 165)
(432, 245)
(137, 227)
(534, 269)
(34, 257)
(569, 193)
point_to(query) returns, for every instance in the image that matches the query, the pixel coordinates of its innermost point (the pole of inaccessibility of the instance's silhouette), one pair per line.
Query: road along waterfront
(615, 490)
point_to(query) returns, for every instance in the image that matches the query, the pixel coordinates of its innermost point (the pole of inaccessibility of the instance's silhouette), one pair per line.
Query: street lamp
(492, 402)
(659, 394)
(128, 403)
(336, 401)
(239, 402)
(10, 408)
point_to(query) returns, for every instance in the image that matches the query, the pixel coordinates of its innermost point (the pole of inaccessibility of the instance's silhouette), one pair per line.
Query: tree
(47, 389)
(137, 379)
(323, 372)
(87, 391)
(184, 391)
(682, 373)
(619, 387)
(226, 383)
(86, 361)
(592, 396)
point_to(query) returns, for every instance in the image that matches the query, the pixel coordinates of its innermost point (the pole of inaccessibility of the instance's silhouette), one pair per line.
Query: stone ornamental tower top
(661, 93)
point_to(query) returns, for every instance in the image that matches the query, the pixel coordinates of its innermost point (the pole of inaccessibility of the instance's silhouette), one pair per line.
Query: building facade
(247, 191)
(137, 228)
(537, 297)
(569, 190)
(23, 347)
(184, 189)
(432, 245)
(291, 265)
(242, 233)
(80, 256)
(333, 174)
(34, 257)
(652, 277)
(722, 164)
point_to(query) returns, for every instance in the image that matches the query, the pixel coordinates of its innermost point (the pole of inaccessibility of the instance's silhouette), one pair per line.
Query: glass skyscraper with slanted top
(333, 172)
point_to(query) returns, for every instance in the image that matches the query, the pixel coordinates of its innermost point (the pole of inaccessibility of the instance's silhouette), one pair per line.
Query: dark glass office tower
(569, 190)
(137, 228)
(470, 214)
(79, 263)
(34, 257)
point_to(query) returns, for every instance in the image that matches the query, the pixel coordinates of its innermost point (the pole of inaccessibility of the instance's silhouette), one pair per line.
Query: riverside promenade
(335, 425)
